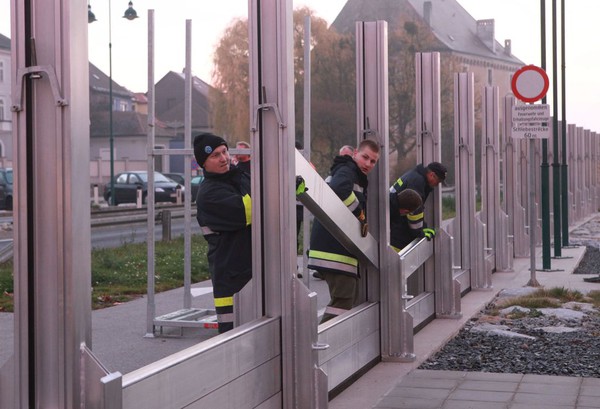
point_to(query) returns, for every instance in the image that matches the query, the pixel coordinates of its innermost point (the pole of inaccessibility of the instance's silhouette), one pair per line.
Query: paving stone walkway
(422, 389)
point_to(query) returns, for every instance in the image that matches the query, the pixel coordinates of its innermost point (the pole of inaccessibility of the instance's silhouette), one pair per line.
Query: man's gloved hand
(300, 185)
(429, 233)
(364, 227)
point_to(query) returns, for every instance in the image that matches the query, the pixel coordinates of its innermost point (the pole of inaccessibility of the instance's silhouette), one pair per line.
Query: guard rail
(129, 215)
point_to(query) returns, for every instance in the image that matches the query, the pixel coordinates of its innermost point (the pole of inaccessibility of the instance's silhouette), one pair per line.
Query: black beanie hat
(204, 144)
(439, 169)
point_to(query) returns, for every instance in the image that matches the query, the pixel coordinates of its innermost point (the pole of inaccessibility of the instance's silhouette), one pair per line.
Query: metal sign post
(529, 84)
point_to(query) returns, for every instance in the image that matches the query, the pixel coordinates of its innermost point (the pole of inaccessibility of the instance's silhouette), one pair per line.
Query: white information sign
(531, 121)
(530, 131)
(531, 113)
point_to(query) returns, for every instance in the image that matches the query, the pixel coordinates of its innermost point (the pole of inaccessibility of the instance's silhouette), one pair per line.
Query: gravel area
(554, 341)
(590, 263)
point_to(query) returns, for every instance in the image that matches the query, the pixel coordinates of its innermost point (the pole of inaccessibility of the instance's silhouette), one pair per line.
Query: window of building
(1, 110)
(490, 76)
(1, 71)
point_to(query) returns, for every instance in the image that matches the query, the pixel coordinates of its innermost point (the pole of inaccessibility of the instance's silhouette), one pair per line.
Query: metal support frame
(273, 181)
(428, 127)
(517, 229)
(572, 165)
(594, 172)
(485, 226)
(586, 171)
(372, 115)
(464, 170)
(494, 216)
(186, 317)
(580, 175)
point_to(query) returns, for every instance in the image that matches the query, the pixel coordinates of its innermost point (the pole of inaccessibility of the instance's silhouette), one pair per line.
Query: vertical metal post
(150, 304)
(273, 192)
(532, 216)
(572, 184)
(187, 164)
(306, 216)
(428, 127)
(52, 229)
(556, 189)
(372, 116)
(464, 168)
(587, 172)
(490, 173)
(564, 179)
(512, 184)
(166, 225)
(111, 136)
(579, 205)
(545, 171)
(532, 211)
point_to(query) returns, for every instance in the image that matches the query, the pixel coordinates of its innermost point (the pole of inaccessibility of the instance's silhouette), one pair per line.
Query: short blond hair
(370, 143)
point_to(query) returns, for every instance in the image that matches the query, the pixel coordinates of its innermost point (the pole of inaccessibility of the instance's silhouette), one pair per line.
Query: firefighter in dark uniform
(402, 204)
(339, 268)
(224, 215)
(422, 179)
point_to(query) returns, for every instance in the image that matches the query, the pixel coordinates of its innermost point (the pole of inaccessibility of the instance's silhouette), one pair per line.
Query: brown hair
(409, 199)
(374, 146)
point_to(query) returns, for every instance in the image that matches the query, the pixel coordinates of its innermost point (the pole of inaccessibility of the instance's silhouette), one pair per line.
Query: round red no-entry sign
(530, 83)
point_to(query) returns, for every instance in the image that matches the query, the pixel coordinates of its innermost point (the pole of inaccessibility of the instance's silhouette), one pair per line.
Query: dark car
(180, 178)
(176, 177)
(6, 188)
(127, 183)
(196, 180)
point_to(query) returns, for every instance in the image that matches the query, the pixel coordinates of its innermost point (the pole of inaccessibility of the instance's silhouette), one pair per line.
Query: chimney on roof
(485, 32)
(427, 9)
(507, 47)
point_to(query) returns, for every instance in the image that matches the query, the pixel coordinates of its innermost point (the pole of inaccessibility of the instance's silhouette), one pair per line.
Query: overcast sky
(518, 20)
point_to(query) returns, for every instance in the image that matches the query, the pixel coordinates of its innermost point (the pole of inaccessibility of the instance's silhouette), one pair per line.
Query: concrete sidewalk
(401, 385)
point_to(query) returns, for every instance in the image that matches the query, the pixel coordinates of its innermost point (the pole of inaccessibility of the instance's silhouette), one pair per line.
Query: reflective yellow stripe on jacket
(333, 261)
(224, 302)
(248, 207)
(351, 202)
(396, 186)
(415, 221)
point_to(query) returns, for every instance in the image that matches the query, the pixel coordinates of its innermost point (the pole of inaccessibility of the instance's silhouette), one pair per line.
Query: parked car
(127, 183)
(196, 180)
(6, 188)
(176, 177)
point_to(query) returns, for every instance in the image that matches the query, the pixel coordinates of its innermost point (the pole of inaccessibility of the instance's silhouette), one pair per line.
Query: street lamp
(130, 14)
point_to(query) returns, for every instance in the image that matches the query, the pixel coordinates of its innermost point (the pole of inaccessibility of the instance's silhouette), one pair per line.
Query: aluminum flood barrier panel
(241, 368)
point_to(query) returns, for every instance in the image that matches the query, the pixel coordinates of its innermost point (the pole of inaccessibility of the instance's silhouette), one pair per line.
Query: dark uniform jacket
(350, 185)
(224, 214)
(404, 229)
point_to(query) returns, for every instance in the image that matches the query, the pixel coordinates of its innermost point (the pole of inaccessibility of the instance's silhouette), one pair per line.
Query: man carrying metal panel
(338, 266)
(225, 218)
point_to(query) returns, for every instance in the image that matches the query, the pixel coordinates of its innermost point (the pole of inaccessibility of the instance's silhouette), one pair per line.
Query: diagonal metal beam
(326, 206)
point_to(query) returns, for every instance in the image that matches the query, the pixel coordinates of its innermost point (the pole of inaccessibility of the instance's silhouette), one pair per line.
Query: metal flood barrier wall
(278, 357)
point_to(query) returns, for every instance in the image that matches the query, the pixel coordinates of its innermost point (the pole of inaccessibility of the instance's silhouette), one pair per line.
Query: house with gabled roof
(129, 129)
(170, 109)
(471, 42)
(170, 102)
